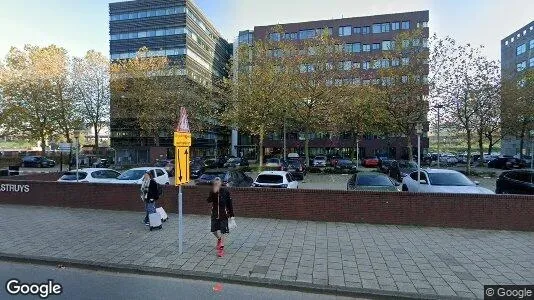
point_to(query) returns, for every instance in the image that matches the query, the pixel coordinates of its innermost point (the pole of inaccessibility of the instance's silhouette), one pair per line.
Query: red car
(370, 162)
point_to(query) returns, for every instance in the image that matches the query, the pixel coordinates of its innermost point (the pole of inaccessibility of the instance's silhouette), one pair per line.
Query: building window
(405, 25)
(365, 65)
(425, 42)
(149, 33)
(422, 24)
(521, 49)
(531, 62)
(405, 61)
(356, 65)
(377, 28)
(347, 65)
(385, 27)
(366, 48)
(395, 62)
(387, 45)
(531, 45)
(274, 37)
(405, 44)
(521, 66)
(306, 34)
(366, 30)
(376, 46)
(345, 30)
(416, 42)
(376, 64)
(357, 47)
(384, 64)
(357, 30)
(404, 79)
(506, 43)
(395, 26)
(148, 13)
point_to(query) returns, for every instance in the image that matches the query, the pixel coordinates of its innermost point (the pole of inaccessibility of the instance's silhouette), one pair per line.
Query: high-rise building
(517, 55)
(180, 31)
(367, 36)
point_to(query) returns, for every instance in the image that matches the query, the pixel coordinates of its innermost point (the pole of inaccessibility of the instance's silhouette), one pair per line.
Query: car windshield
(273, 160)
(132, 175)
(71, 176)
(320, 158)
(233, 160)
(345, 161)
(294, 164)
(449, 179)
(267, 178)
(212, 175)
(373, 180)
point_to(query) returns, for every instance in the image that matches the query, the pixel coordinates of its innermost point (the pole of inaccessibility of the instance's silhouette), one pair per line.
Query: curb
(235, 279)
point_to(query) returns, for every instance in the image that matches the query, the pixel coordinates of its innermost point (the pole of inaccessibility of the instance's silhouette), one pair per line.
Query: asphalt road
(87, 284)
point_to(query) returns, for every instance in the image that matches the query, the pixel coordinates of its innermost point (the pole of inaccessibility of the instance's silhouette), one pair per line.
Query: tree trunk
(95, 127)
(43, 144)
(260, 150)
(409, 145)
(480, 143)
(468, 167)
(522, 140)
(490, 146)
(307, 149)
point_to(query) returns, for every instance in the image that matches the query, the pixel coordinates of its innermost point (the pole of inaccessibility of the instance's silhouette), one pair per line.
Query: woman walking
(221, 210)
(149, 195)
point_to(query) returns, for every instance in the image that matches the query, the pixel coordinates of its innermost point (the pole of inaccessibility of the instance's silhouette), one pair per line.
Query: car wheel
(404, 188)
(41, 166)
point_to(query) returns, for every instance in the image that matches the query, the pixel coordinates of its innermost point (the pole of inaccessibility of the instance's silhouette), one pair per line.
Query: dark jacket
(221, 204)
(153, 193)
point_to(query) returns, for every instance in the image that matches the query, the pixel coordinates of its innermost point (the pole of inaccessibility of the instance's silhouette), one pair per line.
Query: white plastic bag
(231, 223)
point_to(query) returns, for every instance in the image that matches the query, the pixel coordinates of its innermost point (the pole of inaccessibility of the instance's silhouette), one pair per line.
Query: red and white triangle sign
(183, 125)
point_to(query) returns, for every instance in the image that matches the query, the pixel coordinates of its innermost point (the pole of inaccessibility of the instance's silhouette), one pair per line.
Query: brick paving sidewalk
(405, 259)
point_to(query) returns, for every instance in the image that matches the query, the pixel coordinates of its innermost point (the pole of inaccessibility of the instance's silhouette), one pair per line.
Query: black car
(507, 163)
(385, 164)
(235, 162)
(230, 178)
(37, 162)
(196, 170)
(345, 164)
(215, 162)
(516, 182)
(295, 167)
(399, 169)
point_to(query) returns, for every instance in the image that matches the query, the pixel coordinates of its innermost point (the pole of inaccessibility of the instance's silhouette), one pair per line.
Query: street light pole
(77, 137)
(532, 149)
(285, 141)
(419, 131)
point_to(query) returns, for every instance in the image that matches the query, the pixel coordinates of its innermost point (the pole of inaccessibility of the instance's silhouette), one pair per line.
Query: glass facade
(148, 13)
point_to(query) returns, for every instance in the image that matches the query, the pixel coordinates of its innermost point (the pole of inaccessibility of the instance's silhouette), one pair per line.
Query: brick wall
(445, 210)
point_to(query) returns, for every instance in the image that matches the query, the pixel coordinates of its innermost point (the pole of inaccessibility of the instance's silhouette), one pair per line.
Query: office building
(517, 56)
(180, 31)
(367, 36)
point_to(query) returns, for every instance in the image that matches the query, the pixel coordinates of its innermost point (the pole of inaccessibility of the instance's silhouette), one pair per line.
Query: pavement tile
(431, 260)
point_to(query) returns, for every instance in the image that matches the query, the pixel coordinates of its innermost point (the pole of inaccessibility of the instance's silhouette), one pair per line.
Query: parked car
(334, 159)
(276, 179)
(37, 162)
(296, 168)
(214, 163)
(319, 161)
(401, 169)
(385, 164)
(167, 164)
(370, 162)
(196, 170)
(442, 181)
(92, 175)
(236, 162)
(273, 163)
(230, 178)
(516, 182)
(345, 164)
(135, 175)
(526, 158)
(372, 181)
(448, 159)
(507, 163)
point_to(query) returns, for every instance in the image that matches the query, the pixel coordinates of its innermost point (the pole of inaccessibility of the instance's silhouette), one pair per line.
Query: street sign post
(182, 142)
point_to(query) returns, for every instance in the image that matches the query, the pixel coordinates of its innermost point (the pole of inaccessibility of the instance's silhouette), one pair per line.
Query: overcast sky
(80, 25)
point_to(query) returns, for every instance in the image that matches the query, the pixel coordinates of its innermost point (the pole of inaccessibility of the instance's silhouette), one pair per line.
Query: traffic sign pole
(182, 142)
(180, 221)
